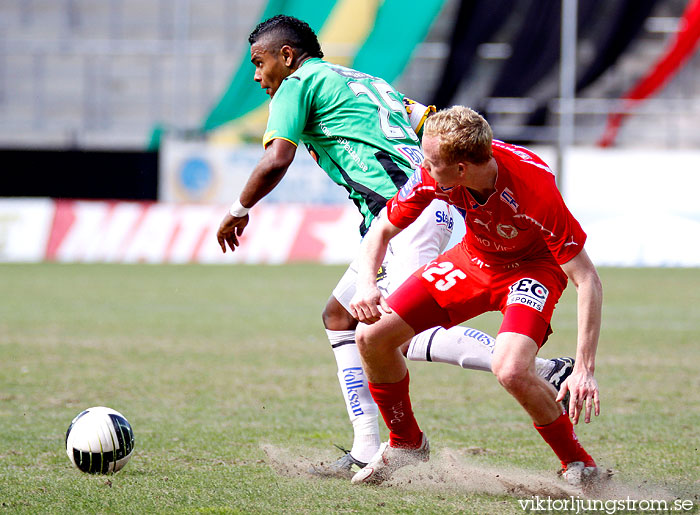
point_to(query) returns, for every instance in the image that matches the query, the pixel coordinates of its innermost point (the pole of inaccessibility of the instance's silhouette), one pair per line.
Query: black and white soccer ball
(99, 440)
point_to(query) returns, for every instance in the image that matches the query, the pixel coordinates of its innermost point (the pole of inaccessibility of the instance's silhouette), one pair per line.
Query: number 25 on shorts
(449, 273)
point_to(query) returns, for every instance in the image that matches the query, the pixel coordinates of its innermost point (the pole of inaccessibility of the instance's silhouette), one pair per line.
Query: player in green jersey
(359, 132)
(368, 163)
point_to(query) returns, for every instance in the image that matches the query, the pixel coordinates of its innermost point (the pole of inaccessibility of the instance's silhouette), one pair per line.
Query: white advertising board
(24, 229)
(638, 209)
(196, 172)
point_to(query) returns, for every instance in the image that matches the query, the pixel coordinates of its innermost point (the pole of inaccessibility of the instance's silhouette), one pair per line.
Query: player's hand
(584, 395)
(230, 230)
(366, 303)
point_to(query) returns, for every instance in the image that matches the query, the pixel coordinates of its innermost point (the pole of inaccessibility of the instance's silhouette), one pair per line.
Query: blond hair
(464, 135)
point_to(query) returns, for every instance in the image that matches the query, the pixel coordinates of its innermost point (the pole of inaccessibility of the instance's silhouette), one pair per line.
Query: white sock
(362, 410)
(461, 346)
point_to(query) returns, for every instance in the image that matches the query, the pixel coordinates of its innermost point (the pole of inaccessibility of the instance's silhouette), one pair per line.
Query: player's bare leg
(513, 365)
(379, 345)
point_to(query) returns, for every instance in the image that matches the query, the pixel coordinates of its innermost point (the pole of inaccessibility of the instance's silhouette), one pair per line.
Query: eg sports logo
(528, 292)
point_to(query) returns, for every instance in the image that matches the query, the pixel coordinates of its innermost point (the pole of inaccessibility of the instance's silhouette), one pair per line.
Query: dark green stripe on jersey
(398, 176)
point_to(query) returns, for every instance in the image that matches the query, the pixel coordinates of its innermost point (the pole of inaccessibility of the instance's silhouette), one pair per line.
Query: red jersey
(524, 220)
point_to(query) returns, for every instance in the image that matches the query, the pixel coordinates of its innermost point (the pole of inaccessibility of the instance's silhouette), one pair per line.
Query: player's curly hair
(289, 31)
(463, 134)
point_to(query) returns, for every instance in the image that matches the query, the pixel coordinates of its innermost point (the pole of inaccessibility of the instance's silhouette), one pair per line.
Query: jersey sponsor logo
(352, 153)
(346, 146)
(506, 231)
(483, 241)
(353, 378)
(499, 247)
(325, 130)
(507, 197)
(406, 191)
(528, 292)
(413, 154)
(444, 218)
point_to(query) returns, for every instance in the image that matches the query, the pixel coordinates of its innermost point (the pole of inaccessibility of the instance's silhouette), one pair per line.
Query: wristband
(238, 210)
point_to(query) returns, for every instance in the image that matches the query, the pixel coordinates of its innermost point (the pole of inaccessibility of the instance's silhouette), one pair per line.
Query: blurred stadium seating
(102, 74)
(81, 74)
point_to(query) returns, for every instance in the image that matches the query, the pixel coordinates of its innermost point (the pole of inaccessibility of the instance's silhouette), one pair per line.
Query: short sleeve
(289, 111)
(562, 233)
(409, 202)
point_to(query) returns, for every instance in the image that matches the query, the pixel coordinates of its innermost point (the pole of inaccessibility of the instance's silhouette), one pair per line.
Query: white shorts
(413, 247)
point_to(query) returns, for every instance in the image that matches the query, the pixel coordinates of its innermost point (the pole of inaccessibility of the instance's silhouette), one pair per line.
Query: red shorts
(454, 288)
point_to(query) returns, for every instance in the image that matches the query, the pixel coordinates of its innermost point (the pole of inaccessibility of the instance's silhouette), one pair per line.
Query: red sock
(395, 406)
(562, 439)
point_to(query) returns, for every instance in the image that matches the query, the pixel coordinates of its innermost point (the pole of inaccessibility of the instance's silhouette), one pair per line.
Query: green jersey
(354, 125)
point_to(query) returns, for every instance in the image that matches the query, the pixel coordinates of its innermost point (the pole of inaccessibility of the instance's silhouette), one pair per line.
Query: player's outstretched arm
(269, 171)
(367, 300)
(581, 383)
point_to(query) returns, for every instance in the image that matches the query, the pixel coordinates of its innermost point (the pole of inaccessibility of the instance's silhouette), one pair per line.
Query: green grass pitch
(228, 381)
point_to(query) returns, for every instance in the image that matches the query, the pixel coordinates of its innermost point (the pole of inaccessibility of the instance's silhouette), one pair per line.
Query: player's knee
(369, 341)
(363, 340)
(336, 318)
(512, 375)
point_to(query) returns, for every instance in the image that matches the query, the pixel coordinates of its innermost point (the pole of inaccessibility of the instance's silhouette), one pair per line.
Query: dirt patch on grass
(290, 464)
(453, 471)
(449, 470)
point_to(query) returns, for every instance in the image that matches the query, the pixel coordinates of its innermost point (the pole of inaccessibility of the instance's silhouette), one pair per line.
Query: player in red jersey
(521, 246)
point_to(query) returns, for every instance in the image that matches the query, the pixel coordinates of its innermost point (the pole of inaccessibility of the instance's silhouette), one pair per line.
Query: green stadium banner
(243, 94)
(399, 27)
(396, 28)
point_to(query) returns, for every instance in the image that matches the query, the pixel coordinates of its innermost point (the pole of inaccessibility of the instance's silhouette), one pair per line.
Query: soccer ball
(99, 440)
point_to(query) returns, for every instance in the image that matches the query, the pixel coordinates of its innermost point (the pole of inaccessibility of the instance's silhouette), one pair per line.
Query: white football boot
(388, 460)
(591, 480)
(577, 474)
